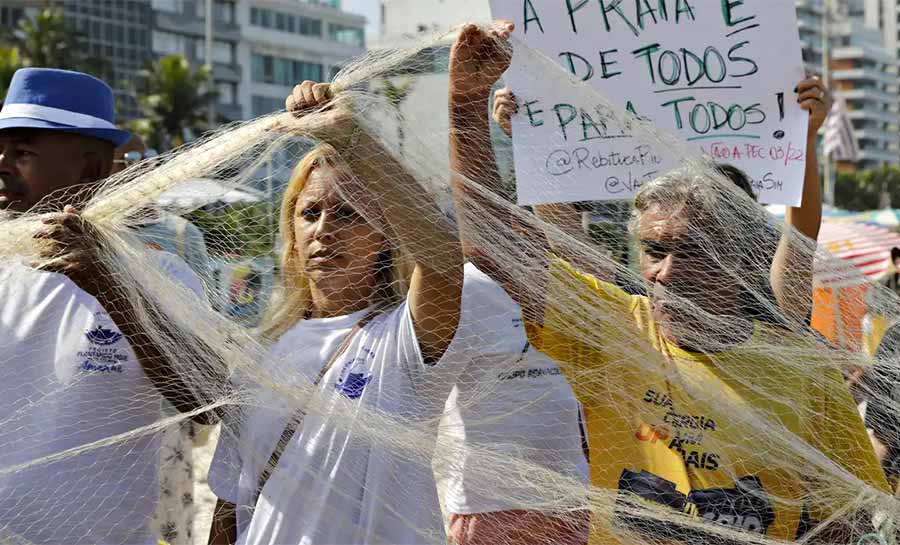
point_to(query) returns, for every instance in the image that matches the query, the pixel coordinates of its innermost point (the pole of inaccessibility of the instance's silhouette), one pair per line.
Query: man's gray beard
(705, 332)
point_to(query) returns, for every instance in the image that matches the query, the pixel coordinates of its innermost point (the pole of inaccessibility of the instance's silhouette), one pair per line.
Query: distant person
(893, 279)
(168, 232)
(163, 230)
(131, 152)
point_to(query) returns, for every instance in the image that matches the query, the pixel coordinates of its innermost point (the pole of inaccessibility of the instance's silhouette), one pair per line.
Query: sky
(369, 8)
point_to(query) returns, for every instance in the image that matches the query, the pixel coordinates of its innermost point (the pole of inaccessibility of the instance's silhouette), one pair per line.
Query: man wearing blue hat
(76, 369)
(57, 135)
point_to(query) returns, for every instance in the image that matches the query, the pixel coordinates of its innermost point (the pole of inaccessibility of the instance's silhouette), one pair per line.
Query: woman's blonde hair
(292, 299)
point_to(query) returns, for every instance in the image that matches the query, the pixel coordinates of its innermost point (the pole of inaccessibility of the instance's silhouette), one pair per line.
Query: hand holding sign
(812, 97)
(714, 72)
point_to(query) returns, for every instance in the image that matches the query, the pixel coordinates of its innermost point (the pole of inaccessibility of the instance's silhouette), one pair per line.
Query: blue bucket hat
(61, 100)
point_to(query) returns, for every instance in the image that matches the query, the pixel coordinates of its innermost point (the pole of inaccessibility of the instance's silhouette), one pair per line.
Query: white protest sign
(719, 74)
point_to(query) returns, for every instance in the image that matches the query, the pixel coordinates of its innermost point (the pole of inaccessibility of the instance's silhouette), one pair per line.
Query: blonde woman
(370, 336)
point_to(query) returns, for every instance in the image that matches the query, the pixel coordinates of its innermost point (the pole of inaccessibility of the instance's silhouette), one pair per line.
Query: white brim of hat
(116, 136)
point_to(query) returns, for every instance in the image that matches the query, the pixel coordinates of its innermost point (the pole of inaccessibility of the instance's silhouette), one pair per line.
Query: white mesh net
(407, 356)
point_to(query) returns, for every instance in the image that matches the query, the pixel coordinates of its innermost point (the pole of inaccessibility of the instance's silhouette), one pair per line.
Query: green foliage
(10, 61)
(862, 190)
(173, 97)
(47, 41)
(238, 230)
(395, 95)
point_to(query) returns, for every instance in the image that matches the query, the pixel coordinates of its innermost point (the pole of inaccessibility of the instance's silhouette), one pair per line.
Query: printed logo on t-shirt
(103, 336)
(102, 356)
(683, 433)
(353, 385)
(746, 506)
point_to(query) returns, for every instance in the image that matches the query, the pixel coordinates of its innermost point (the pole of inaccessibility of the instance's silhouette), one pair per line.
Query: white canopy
(201, 191)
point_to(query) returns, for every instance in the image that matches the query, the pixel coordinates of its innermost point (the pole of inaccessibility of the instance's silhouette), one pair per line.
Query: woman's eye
(346, 213)
(310, 214)
(654, 253)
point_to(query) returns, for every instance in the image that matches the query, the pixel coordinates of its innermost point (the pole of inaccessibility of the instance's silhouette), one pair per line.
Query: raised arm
(791, 275)
(388, 193)
(477, 60)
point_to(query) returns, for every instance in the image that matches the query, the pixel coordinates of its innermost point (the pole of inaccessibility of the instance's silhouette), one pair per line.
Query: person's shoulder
(889, 347)
(482, 292)
(34, 284)
(174, 267)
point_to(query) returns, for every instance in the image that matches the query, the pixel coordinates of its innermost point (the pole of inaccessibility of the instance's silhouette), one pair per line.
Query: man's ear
(97, 166)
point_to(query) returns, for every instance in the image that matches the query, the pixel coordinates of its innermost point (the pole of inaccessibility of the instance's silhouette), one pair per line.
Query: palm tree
(173, 97)
(10, 61)
(49, 41)
(395, 95)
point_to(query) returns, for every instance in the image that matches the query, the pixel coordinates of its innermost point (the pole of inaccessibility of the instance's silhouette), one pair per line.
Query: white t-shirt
(332, 484)
(68, 378)
(513, 401)
(329, 488)
(250, 434)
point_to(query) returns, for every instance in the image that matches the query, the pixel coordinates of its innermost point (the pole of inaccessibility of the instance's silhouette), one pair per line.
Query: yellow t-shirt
(718, 436)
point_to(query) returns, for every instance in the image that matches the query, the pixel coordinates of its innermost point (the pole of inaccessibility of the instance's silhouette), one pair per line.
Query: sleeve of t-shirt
(837, 432)
(176, 269)
(583, 318)
(225, 467)
(530, 419)
(196, 253)
(432, 381)
(477, 334)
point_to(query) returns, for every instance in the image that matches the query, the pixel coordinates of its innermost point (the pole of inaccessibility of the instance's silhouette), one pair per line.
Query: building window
(227, 92)
(192, 8)
(336, 4)
(285, 22)
(306, 71)
(265, 105)
(167, 43)
(281, 71)
(310, 27)
(224, 12)
(166, 5)
(258, 68)
(223, 52)
(346, 34)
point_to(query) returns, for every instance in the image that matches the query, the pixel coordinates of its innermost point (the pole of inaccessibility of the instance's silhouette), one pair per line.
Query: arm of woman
(414, 221)
(791, 275)
(477, 60)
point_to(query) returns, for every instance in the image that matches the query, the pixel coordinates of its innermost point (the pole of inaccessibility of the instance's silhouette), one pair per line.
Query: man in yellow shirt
(757, 434)
(701, 403)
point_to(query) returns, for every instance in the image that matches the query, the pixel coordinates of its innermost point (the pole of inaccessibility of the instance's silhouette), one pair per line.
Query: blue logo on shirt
(102, 336)
(352, 387)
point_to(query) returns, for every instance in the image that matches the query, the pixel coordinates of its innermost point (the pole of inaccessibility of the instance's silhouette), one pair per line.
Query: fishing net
(398, 351)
